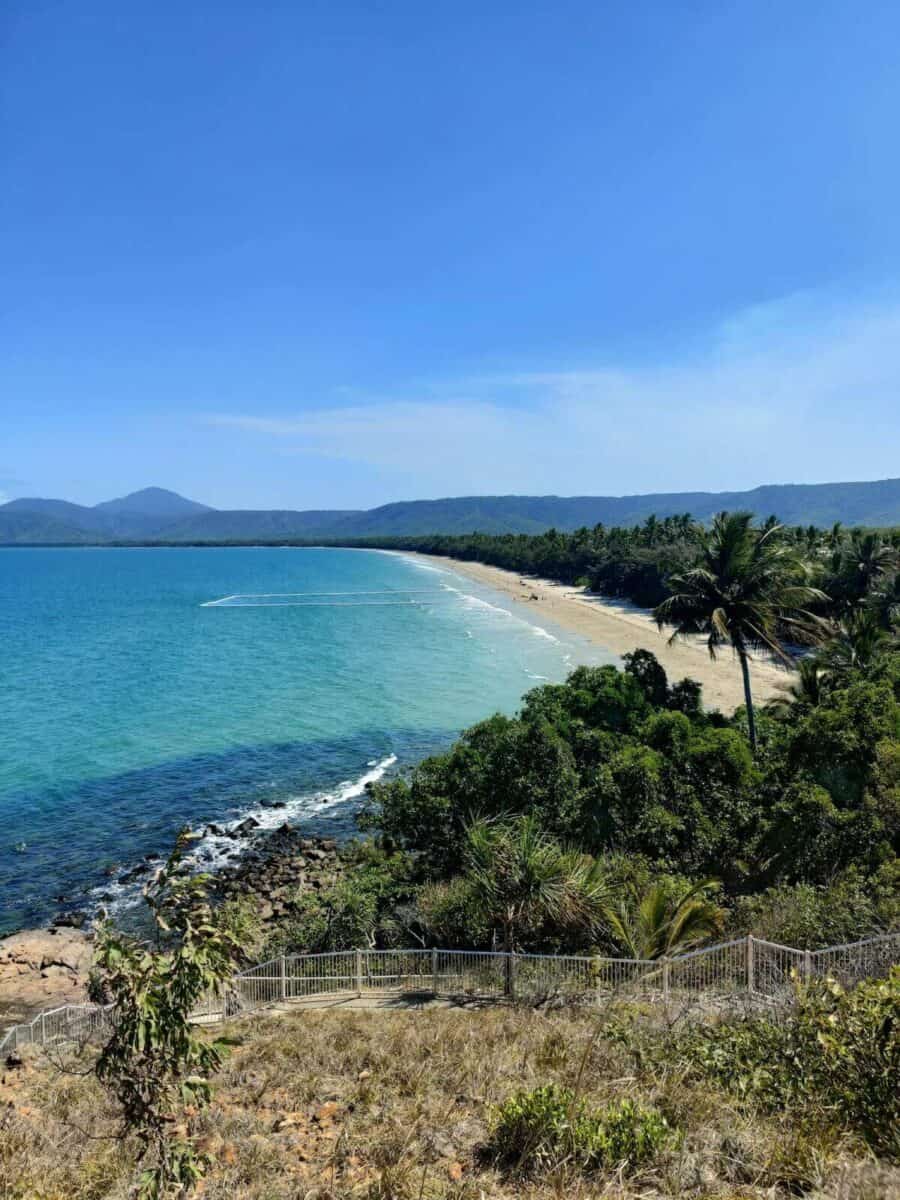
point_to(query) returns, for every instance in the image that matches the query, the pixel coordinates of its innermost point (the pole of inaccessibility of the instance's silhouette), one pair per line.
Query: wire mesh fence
(744, 968)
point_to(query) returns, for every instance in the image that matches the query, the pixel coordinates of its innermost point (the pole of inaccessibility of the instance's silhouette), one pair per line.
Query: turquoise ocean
(147, 689)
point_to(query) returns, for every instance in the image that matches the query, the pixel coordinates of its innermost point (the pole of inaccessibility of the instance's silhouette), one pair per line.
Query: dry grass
(396, 1106)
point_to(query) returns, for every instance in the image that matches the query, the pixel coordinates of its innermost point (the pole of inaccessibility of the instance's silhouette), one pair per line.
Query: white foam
(214, 851)
(539, 632)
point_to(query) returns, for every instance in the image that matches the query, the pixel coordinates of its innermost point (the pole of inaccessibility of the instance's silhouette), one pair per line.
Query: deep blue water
(132, 705)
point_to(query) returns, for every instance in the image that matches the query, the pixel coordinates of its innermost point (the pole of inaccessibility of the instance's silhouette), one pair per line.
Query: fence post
(434, 971)
(283, 978)
(665, 963)
(359, 972)
(43, 1029)
(807, 965)
(751, 964)
(512, 975)
(596, 964)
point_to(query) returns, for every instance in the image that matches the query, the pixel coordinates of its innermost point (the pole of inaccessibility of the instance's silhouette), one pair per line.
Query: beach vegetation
(519, 878)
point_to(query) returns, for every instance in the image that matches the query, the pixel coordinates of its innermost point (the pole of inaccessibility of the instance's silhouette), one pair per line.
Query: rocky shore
(41, 969)
(46, 968)
(278, 865)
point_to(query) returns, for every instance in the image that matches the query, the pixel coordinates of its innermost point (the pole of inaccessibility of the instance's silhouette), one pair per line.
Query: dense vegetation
(615, 799)
(635, 562)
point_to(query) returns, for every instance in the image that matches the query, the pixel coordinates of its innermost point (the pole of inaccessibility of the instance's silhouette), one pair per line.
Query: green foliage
(748, 591)
(602, 768)
(837, 1057)
(534, 1131)
(809, 915)
(656, 922)
(239, 920)
(452, 915)
(156, 1063)
(856, 1062)
(361, 909)
(520, 877)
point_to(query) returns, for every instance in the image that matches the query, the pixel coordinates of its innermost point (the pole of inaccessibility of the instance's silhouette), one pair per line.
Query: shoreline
(620, 627)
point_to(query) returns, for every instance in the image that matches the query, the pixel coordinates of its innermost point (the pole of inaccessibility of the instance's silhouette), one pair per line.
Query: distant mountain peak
(154, 502)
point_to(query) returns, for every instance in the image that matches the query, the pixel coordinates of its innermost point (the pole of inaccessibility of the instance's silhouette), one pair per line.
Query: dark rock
(70, 920)
(214, 831)
(134, 873)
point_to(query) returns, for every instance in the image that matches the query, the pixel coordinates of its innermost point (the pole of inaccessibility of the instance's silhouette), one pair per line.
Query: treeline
(635, 562)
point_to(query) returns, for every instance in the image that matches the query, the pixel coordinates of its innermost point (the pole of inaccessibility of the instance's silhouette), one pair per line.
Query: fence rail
(747, 967)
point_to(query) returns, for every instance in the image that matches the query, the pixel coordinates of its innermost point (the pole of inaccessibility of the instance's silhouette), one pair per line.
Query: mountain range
(157, 515)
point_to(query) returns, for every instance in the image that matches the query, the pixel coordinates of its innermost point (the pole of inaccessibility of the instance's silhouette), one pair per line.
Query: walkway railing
(747, 967)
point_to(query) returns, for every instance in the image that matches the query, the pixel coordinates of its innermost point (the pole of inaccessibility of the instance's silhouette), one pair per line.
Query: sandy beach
(620, 627)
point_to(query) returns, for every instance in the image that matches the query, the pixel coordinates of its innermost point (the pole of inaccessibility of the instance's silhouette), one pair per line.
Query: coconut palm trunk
(748, 696)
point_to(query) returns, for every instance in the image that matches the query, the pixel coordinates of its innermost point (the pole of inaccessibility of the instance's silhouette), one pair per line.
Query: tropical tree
(748, 589)
(859, 639)
(656, 923)
(807, 688)
(521, 877)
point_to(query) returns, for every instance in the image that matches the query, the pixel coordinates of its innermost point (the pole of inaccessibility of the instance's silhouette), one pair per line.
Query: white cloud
(798, 390)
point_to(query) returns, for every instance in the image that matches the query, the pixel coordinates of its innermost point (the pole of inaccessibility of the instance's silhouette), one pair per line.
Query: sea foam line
(214, 851)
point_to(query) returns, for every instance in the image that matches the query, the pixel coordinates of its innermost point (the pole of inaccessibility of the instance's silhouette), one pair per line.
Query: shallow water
(146, 689)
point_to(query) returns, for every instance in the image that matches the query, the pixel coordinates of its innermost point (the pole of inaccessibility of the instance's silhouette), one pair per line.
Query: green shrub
(536, 1130)
(836, 1058)
(451, 915)
(856, 1064)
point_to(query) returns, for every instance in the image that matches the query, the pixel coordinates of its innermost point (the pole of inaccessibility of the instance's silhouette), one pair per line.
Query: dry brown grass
(396, 1106)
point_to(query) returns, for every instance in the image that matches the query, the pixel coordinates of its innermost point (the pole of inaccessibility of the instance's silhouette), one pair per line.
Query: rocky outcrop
(46, 968)
(41, 969)
(279, 866)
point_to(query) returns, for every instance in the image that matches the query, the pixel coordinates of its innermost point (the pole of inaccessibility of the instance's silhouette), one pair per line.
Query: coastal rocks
(278, 867)
(70, 920)
(41, 969)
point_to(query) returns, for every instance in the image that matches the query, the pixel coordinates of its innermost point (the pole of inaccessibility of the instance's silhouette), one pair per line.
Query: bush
(838, 1057)
(452, 915)
(810, 916)
(536, 1130)
(855, 1063)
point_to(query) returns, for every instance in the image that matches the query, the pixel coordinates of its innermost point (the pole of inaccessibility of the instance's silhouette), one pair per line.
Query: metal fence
(716, 975)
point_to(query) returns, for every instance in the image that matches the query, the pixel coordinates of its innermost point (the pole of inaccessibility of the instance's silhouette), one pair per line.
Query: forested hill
(154, 515)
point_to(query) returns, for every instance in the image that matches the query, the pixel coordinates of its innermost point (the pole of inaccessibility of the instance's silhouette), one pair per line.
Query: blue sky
(334, 254)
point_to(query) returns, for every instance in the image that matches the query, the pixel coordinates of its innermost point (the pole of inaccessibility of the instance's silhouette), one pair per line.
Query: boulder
(42, 969)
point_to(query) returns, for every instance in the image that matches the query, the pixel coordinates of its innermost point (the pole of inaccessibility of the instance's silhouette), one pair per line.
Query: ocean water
(146, 689)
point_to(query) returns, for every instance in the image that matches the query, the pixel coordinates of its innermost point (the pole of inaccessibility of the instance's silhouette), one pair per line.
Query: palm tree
(521, 876)
(653, 924)
(747, 590)
(859, 640)
(807, 689)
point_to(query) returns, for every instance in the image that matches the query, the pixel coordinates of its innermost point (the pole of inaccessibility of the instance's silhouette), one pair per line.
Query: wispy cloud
(800, 390)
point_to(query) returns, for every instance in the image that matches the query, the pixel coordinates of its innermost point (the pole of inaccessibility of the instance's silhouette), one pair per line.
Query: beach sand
(620, 627)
